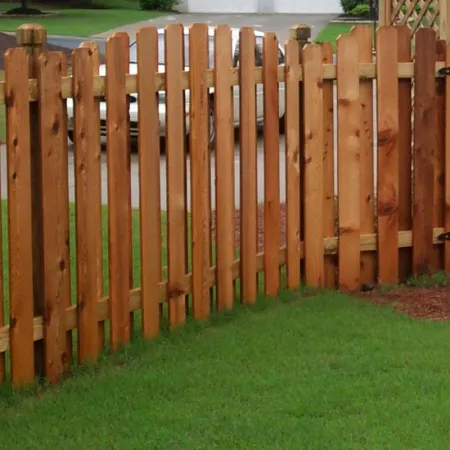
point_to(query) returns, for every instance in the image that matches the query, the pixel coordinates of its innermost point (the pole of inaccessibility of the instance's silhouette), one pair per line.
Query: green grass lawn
(332, 31)
(81, 22)
(326, 372)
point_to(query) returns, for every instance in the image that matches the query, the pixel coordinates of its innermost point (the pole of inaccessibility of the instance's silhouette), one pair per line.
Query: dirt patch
(260, 226)
(432, 304)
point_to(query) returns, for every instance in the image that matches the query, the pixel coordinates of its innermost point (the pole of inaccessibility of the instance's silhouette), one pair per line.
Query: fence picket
(176, 173)
(404, 152)
(271, 167)
(200, 170)
(248, 187)
(118, 191)
(87, 205)
(439, 159)
(364, 36)
(292, 136)
(149, 181)
(329, 203)
(223, 96)
(349, 131)
(447, 162)
(387, 91)
(95, 149)
(19, 217)
(53, 139)
(314, 143)
(425, 124)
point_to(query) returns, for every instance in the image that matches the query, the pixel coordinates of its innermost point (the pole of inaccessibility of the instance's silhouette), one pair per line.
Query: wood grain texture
(292, 137)
(223, 97)
(149, 181)
(364, 35)
(55, 215)
(439, 160)
(95, 149)
(118, 191)
(248, 186)
(313, 186)
(388, 157)
(20, 228)
(405, 152)
(447, 162)
(329, 201)
(425, 125)
(272, 221)
(87, 206)
(349, 176)
(176, 174)
(200, 169)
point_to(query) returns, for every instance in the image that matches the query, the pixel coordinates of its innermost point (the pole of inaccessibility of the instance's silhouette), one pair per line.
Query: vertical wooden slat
(199, 108)
(118, 192)
(404, 152)
(176, 174)
(248, 187)
(65, 206)
(439, 159)
(87, 205)
(447, 161)
(349, 131)
(388, 107)
(314, 141)
(425, 125)
(223, 96)
(55, 208)
(126, 62)
(292, 136)
(19, 217)
(329, 204)
(95, 149)
(271, 167)
(364, 36)
(149, 181)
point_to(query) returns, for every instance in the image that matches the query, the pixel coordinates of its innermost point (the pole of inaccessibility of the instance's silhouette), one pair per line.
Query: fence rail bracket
(444, 237)
(445, 71)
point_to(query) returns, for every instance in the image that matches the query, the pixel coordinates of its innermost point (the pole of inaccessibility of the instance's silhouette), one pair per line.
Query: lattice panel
(415, 13)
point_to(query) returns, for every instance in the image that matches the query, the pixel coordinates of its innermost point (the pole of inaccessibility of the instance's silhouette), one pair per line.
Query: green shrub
(158, 5)
(349, 5)
(360, 11)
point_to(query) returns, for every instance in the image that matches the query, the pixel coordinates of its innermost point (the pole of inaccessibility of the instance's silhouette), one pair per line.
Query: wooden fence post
(33, 37)
(302, 34)
(444, 20)
(384, 13)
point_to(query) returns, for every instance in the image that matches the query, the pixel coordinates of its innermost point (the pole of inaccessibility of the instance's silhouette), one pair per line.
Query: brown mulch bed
(421, 303)
(260, 225)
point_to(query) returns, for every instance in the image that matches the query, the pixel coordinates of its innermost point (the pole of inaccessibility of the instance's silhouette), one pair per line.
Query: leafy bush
(349, 5)
(360, 11)
(158, 5)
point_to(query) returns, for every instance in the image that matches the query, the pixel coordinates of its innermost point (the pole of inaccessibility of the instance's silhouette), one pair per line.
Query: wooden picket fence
(363, 235)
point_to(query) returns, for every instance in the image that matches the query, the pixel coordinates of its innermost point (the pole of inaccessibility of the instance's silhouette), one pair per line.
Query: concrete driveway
(278, 23)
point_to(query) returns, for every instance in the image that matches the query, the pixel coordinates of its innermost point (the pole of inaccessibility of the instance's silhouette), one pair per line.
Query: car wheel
(70, 136)
(212, 125)
(282, 124)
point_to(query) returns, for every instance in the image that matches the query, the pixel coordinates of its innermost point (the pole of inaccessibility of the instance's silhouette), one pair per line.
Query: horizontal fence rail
(351, 164)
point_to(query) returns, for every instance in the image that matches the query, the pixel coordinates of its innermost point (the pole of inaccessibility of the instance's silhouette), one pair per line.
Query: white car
(162, 107)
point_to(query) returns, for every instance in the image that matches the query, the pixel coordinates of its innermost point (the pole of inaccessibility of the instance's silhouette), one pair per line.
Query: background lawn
(81, 22)
(328, 372)
(332, 31)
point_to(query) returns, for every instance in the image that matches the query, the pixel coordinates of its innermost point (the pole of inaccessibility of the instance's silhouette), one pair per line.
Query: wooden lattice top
(415, 13)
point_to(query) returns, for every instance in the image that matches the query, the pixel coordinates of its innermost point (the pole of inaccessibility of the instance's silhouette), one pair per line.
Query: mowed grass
(325, 372)
(332, 31)
(80, 22)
